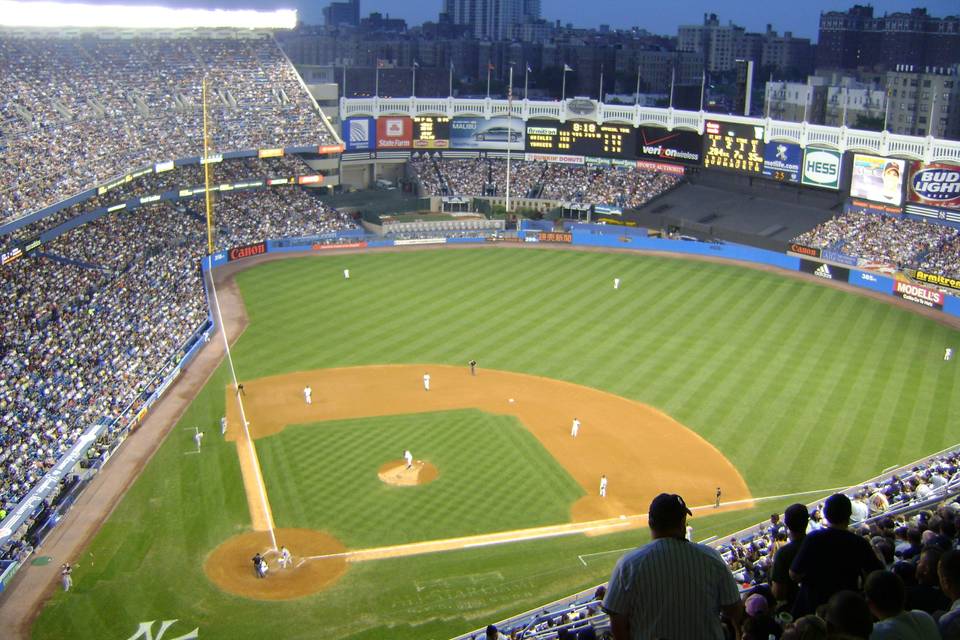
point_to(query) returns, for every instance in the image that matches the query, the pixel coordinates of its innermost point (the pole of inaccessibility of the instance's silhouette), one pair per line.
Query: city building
(924, 101)
(492, 19)
(346, 12)
(857, 39)
(722, 45)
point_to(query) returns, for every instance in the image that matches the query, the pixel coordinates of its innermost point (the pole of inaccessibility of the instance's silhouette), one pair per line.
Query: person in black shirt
(784, 589)
(258, 565)
(831, 560)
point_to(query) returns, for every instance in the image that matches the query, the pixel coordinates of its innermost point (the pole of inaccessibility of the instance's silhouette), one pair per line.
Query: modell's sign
(919, 295)
(247, 250)
(936, 185)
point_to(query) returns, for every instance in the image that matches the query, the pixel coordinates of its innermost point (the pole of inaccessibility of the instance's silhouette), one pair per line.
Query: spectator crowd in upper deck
(108, 106)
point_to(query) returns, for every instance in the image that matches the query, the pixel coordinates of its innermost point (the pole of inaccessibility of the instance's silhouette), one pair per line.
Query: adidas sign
(823, 271)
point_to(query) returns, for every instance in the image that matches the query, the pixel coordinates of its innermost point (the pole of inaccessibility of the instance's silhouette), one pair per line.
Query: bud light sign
(936, 185)
(821, 168)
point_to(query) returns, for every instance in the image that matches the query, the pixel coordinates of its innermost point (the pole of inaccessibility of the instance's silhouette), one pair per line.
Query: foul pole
(206, 172)
(509, 134)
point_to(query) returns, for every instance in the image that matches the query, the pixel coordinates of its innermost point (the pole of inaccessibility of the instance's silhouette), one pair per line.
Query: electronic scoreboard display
(581, 138)
(431, 132)
(731, 145)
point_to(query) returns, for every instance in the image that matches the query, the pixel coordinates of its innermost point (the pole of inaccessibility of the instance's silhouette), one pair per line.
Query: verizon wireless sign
(918, 295)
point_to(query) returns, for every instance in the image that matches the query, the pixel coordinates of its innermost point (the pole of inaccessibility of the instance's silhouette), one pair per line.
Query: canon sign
(935, 184)
(247, 251)
(821, 168)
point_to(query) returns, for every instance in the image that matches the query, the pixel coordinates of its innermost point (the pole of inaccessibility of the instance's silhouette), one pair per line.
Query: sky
(656, 16)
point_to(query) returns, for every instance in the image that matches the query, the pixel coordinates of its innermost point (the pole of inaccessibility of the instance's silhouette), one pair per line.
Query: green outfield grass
(801, 386)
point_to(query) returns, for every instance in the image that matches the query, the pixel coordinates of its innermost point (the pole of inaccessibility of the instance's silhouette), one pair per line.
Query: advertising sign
(821, 168)
(358, 134)
(685, 147)
(480, 133)
(394, 132)
(247, 250)
(937, 279)
(824, 270)
(918, 295)
(936, 185)
(803, 249)
(782, 161)
(662, 167)
(270, 153)
(872, 281)
(431, 132)
(581, 138)
(877, 179)
(731, 145)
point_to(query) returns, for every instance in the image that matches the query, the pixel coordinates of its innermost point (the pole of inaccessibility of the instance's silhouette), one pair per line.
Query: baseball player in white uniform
(198, 438)
(426, 382)
(346, 274)
(308, 394)
(223, 425)
(285, 559)
(575, 429)
(616, 283)
(603, 486)
(947, 354)
(408, 457)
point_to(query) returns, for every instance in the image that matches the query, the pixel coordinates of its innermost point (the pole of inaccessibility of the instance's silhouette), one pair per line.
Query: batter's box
(454, 582)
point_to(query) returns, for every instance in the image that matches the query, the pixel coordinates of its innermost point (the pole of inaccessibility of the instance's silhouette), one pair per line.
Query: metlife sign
(821, 168)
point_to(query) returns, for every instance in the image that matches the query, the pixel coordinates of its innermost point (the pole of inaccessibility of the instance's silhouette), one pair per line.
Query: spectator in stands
(493, 633)
(885, 597)
(831, 559)
(759, 624)
(806, 628)
(949, 571)
(671, 588)
(784, 588)
(848, 616)
(926, 594)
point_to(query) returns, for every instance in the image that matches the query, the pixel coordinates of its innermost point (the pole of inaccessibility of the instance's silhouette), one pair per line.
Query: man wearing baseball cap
(671, 587)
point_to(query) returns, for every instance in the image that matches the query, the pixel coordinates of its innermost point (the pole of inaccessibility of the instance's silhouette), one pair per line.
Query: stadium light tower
(61, 14)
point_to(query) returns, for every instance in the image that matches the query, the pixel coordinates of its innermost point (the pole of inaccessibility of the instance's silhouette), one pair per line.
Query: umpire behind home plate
(671, 587)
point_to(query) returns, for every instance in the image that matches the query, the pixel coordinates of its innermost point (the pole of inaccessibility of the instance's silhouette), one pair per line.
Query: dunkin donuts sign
(935, 185)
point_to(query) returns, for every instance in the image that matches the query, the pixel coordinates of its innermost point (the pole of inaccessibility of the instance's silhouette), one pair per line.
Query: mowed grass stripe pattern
(774, 371)
(494, 476)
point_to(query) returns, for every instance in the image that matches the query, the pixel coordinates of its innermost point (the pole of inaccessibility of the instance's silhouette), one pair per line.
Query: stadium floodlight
(59, 14)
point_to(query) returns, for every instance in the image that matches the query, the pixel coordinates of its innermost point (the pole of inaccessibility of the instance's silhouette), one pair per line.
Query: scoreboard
(431, 132)
(581, 138)
(731, 145)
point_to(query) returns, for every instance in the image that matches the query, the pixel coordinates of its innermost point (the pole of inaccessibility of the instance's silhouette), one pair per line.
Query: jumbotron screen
(581, 138)
(431, 132)
(732, 145)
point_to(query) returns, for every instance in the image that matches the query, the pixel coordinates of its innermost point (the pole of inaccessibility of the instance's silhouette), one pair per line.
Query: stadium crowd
(895, 241)
(886, 564)
(94, 317)
(620, 186)
(113, 105)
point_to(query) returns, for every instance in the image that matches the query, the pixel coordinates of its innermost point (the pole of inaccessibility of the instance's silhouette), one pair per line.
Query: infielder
(616, 283)
(346, 274)
(473, 367)
(198, 438)
(603, 486)
(66, 580)
(716, 505)
(308, 394)
(575, 429)
(947, 354)
(285, 559)
(426, 382)
(223, 425)
(408, 457)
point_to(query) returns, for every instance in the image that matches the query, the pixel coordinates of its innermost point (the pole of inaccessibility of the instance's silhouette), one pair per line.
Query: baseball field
(691, 375)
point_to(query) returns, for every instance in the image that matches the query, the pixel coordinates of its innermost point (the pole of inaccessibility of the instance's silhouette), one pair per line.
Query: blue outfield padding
(607, 229)
(951, 305)
(380, 243)
(466, 240)
(727, 251)
(872, 281)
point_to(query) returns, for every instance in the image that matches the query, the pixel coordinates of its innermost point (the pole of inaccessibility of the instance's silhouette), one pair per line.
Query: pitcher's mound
(396, 473)
(230, 565)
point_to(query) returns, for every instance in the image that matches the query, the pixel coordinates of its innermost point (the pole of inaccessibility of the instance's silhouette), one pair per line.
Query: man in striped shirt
(671, 588)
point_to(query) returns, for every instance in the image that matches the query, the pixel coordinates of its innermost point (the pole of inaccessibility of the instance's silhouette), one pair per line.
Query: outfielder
(285, 559)
(947, 354)
(616, 283)
(308, 394)
(603, 486)
(408, 457)
(426, 382)
(575, 429)
(346, 274)
(198, 438)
